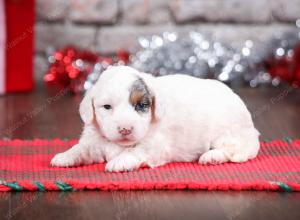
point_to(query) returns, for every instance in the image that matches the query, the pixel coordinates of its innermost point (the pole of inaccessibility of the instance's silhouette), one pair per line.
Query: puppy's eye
(107, 107)
(142, 107)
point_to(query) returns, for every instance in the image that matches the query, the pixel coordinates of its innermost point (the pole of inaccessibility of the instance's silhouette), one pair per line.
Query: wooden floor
(276, 114)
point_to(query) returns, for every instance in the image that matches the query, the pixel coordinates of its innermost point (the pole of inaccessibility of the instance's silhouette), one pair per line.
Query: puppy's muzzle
(125, 131)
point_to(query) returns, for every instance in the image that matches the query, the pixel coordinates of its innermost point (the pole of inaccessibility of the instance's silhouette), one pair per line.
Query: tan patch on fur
(94, 113)
(153, 106)
(140, 97)
(136, 97)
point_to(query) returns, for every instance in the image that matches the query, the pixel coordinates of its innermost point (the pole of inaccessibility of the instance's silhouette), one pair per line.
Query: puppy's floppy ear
(157, 108)
(86, 108)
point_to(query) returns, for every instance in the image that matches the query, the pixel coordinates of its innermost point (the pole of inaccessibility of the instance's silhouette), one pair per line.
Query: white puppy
(133, 119)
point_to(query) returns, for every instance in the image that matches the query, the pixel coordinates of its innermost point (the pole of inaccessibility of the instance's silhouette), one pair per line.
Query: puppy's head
(123, 103)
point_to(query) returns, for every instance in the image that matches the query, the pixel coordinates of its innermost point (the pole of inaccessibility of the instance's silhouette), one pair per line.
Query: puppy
(132, 119)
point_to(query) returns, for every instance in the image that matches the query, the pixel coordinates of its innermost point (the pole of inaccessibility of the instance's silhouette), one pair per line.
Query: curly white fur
(191, 119)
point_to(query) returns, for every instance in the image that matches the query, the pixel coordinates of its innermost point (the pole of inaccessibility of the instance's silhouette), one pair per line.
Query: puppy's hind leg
(247, 147)
(218, 151)
(213, 156)
(237, 148)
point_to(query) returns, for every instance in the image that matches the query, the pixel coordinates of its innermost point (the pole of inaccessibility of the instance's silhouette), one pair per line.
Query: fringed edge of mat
(113, 186)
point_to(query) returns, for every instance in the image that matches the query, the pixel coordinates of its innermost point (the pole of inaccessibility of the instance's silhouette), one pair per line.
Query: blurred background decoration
(16, 45)
(238, 42)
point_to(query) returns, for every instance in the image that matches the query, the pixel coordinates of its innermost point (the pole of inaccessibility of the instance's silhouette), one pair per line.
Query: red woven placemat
(25, 165)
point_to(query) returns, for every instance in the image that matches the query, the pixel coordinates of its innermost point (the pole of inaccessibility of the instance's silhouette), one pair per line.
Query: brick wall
(106, 25)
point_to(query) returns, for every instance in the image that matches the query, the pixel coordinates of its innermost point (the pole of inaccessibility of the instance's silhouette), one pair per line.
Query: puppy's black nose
(125, 131)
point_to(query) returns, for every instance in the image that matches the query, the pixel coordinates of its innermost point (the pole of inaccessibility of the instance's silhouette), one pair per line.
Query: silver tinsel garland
(200, 56)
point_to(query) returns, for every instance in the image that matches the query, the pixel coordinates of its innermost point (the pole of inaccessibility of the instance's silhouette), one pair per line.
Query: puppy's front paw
(63, 160)
(123, 162)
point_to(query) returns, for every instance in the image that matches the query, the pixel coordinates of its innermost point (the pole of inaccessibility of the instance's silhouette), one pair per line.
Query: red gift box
(16, 43)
